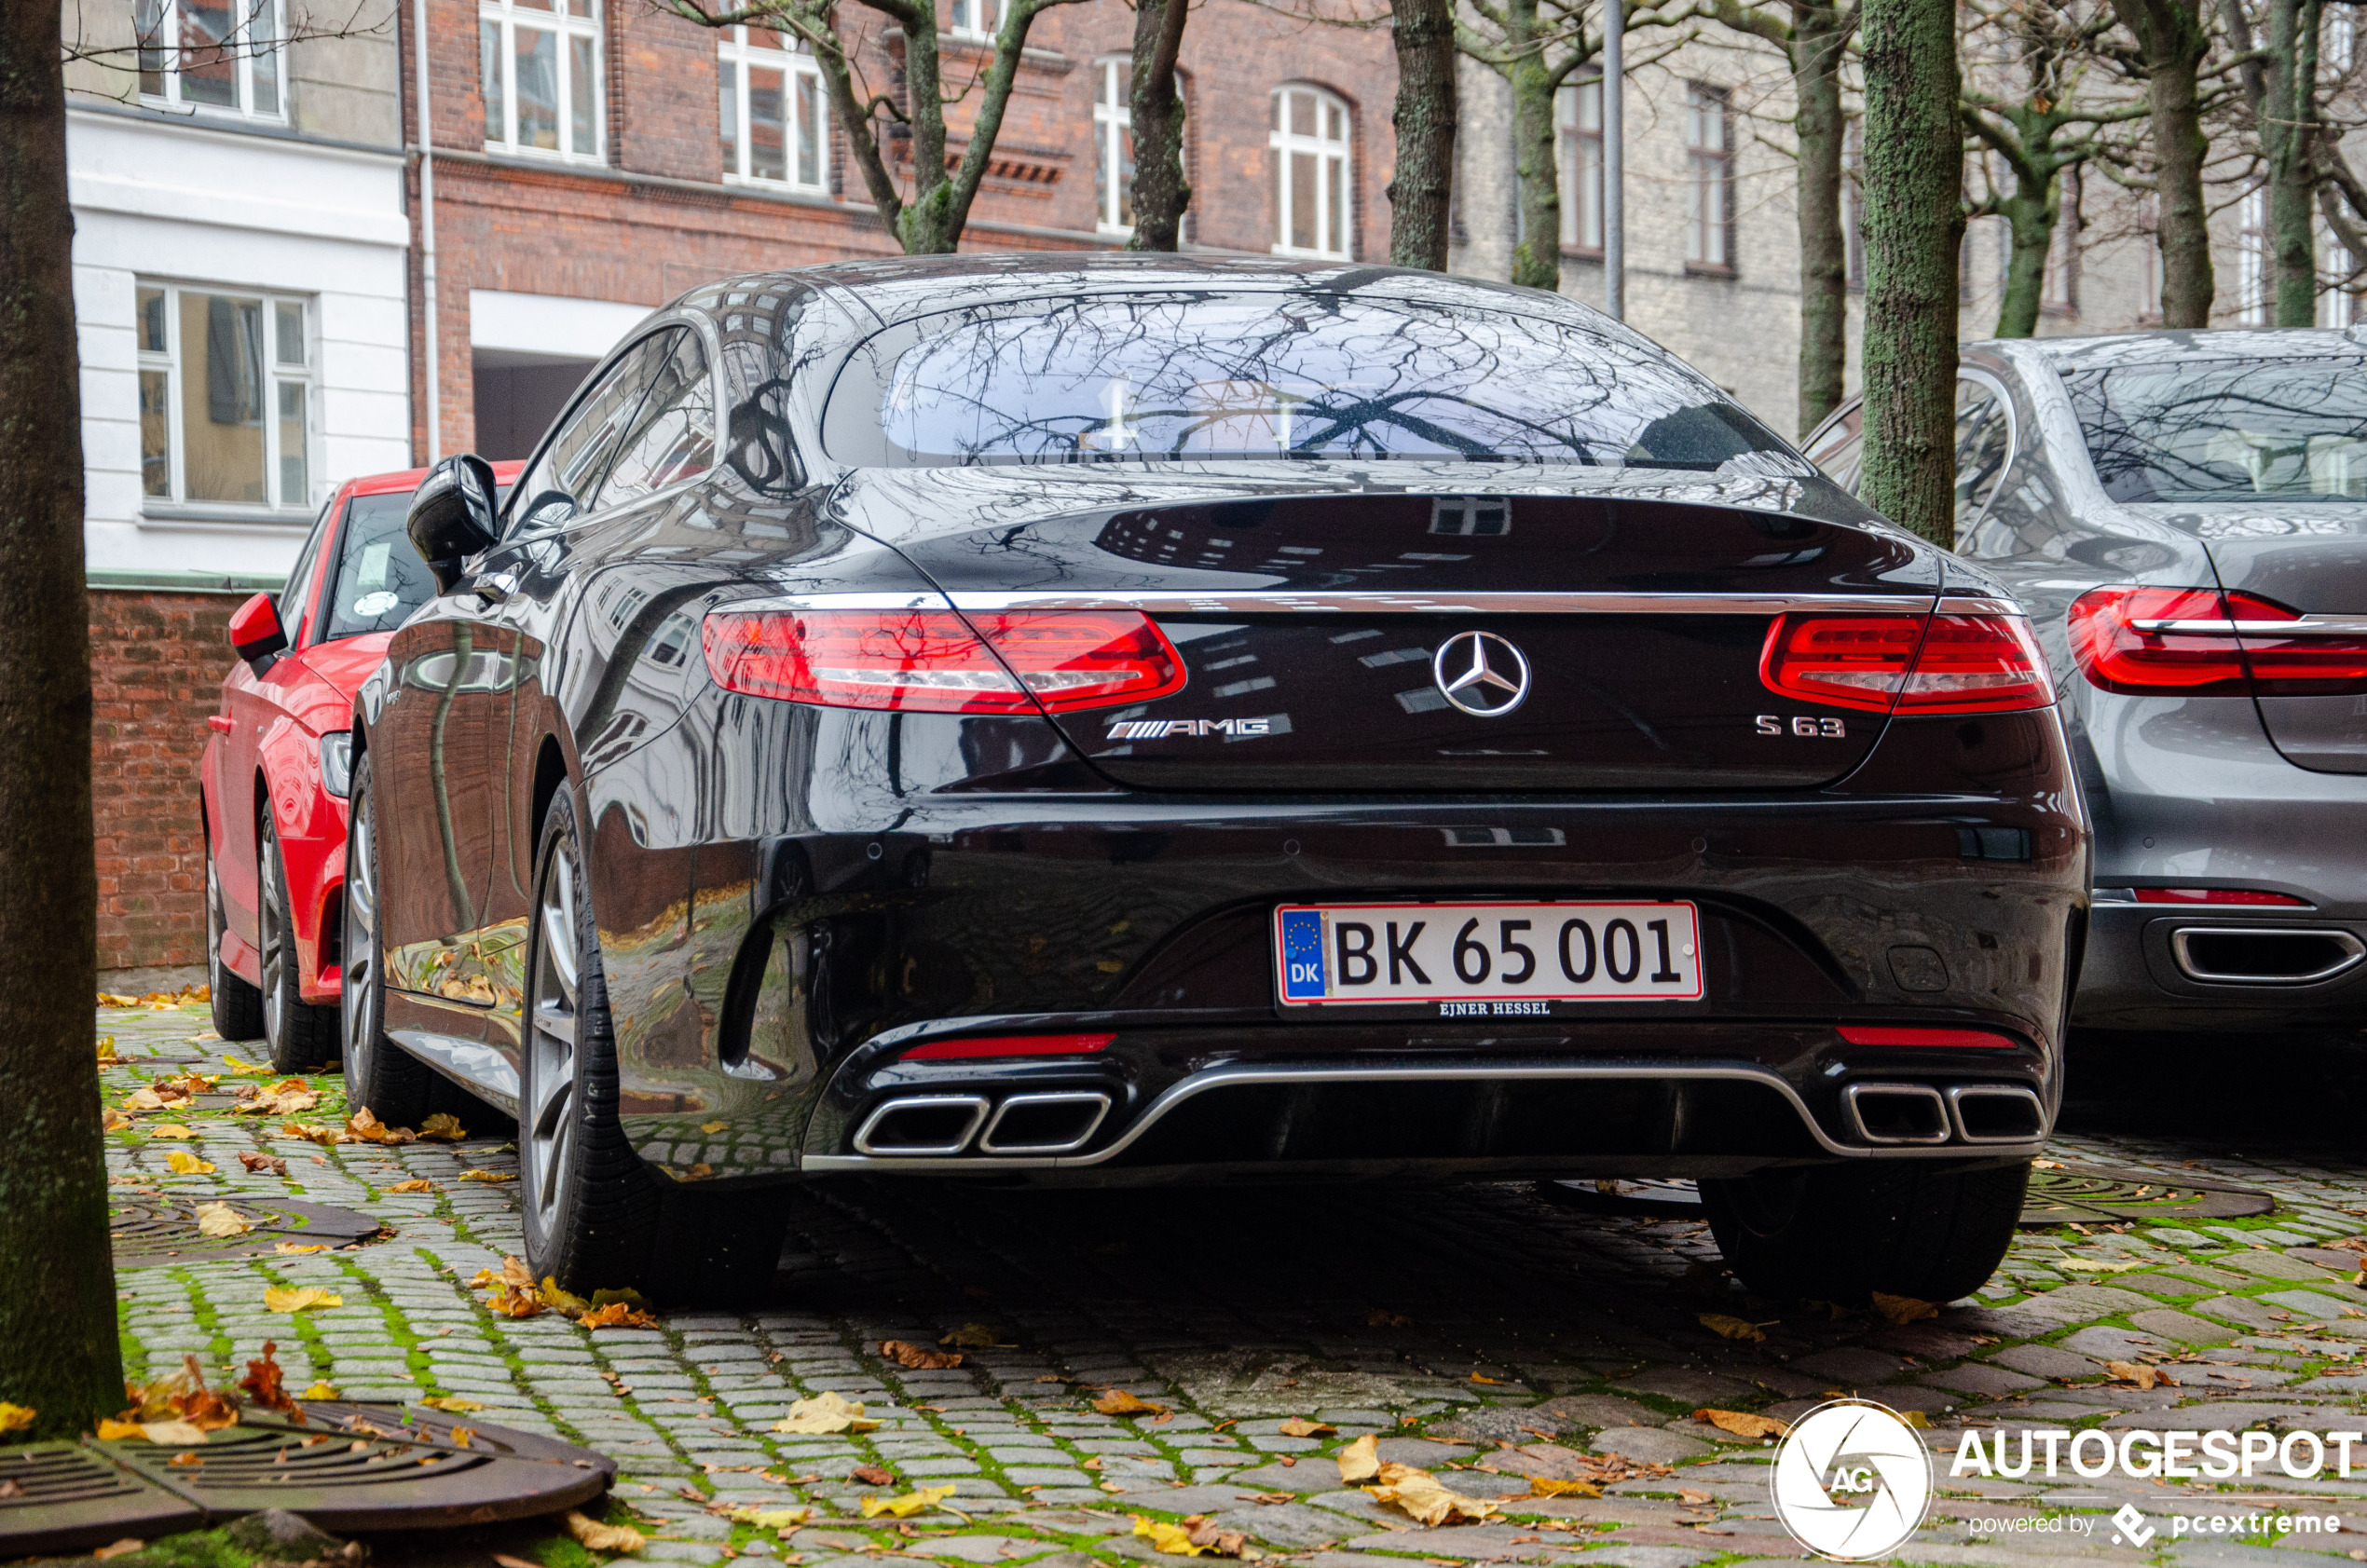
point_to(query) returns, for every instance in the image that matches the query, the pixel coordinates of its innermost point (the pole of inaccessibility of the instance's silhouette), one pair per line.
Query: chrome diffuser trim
(978, 1104)
(1959, 1093)
(1226, 1077)
(1851, 1095)
(2353, 950)
(1071, 1097)
(1285, 602)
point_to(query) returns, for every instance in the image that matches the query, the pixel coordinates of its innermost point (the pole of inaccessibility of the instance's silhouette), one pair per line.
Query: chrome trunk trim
(1277, 600)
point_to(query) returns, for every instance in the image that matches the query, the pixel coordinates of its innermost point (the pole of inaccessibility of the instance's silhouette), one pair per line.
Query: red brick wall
(155, 672)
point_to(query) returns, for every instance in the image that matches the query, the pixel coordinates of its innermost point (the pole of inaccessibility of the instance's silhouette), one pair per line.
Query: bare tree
(59, 1353)
(2172, 40)
(1815, 39)
(1421, 190)
(1156, 114)
(1914, 221)
(2027, 98)
(2281, 90)
(1539, 47)
(931, 221)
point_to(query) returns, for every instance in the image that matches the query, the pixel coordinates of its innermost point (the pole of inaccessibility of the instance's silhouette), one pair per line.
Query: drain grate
(2089, 1194)
(349, 1467)
(151, 1231)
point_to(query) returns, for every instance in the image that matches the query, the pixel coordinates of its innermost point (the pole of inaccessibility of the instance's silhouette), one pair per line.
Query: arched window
(1311, 203)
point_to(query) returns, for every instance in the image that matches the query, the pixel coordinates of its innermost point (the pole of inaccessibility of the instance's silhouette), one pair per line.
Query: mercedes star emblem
(1481, 674)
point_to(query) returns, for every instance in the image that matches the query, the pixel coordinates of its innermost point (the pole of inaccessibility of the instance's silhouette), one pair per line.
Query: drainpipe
(1614, 162)
(427, 231)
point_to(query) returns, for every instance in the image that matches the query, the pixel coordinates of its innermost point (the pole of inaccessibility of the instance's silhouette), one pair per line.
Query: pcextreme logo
(1851, 1481)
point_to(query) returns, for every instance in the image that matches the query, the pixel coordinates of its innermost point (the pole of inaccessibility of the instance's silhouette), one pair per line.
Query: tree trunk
(1420, 191)
(2031, 219)
(930, 224)
(2284, 135)
(1914, 218)
(59, 1352)
(2174, 42)
(1160, 194)
(1819, 37)
(1537, 260)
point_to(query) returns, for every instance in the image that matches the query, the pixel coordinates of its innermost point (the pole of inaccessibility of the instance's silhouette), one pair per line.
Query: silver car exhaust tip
(1996, 1114)
(1897, 1112)
(923, 1125)
(2263, 955)
(1045, 1124)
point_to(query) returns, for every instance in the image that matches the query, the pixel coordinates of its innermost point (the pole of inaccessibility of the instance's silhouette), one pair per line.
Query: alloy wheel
(358, 988)
(212, 925)
(273, 940)
(550, 1043)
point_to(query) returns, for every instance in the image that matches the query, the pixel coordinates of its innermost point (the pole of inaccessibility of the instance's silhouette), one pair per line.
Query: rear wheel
(238, 1007)
(1838, 1233)
(300, 1035)
(378, 1073)
(596, 1217)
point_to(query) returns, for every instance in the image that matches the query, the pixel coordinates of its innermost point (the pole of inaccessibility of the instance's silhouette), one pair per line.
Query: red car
(275, 772)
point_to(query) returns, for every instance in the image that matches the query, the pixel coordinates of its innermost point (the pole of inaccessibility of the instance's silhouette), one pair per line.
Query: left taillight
(937, 661)
(1907, 663)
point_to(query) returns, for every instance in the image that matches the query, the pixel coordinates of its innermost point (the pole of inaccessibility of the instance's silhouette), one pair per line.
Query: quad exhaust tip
(1894, 1113)
(940, 1125)
(2263, 955)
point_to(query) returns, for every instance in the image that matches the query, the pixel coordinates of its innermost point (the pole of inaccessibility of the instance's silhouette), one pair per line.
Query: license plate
(1488, 955)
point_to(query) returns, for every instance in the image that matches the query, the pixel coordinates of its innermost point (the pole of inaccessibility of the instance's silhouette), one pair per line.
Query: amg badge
(1159, 728)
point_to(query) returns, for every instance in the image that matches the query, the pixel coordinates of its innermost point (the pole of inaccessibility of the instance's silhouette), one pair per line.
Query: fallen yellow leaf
(824, 1412)
(1731, 1327)
(2095, 1265)
(489, 1176)
(1299, 1426)
(323, 1389)
(247, 1069)
(298, 1248)
(1362, 1459)
(143, 1099)
(771, 1518)
(171, 1129)
(327, 1138)
(1541, 1487)
(441, 1126)
(713, 1126)
(364, 1126)
(566, 1303)
(1172, 1539)
(919, 1357)
(1477, 1378)
(175, 1434)
(2137, 1372)
(106, 1049)
(1903, 1310)
(1916, 1419)
(451, 1404)
(221, 1220)
(595, 1536)
(16, 1418)
(907, 1505)
(112, 1119)
(182, 1163)
(1419, 1496)
(417, 1184)
(618, 1315)
(1117, 1401)
(1743, 1424)
(280, 1300)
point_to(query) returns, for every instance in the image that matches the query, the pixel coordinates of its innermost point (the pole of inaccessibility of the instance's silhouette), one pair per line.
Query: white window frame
(171, 360)
(1578, 123)
(1326, 151)
(1710, 170)
(160, 69)
(509, 16)
(978, 20)
(2251, 257)
(1113, 126)
(734, 56)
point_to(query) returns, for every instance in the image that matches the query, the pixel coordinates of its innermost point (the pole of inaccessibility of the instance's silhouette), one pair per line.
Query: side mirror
(257, 636)
(451, 516)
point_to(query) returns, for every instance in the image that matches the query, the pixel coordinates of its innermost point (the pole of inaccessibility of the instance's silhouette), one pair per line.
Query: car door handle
(219, 723)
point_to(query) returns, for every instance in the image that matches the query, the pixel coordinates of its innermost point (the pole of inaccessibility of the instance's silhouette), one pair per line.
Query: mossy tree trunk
(1157, 109)
(2173, 41)
(59, 1352)
(2280, 89)
(1421, 188)
(1914, 219)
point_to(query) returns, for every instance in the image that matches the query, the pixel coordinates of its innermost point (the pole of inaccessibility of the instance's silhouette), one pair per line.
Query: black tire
(596, 1217)
(1838, 1233)
(378, 1073)
(301, 1036)
(238, 1007)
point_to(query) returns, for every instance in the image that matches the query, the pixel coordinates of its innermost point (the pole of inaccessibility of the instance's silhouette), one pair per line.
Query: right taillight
(2157, 641)
(933, 662)
(1907, 663)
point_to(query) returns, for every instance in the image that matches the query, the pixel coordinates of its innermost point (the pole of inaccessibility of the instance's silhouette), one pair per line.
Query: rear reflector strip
(1010, 1045)
(2219, 895)
(1858, 1034)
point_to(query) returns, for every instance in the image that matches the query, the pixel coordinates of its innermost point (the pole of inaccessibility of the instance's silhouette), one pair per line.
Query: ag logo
(1851, 1481)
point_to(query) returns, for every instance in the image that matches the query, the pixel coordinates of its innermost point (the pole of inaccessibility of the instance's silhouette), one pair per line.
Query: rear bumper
(2158, 968)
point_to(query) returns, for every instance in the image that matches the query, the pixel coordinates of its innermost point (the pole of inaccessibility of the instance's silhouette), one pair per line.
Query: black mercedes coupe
(1128, 719)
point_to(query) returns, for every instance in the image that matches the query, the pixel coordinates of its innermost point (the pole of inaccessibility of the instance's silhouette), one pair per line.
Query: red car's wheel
(238, 1007)
(300, 1035)
(378, 1073)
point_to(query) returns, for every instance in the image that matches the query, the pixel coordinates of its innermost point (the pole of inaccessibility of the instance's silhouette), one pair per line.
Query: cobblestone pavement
(1465, 1326)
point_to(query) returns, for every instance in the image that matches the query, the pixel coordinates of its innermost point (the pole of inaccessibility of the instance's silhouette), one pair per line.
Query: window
(2226, 431)
(541, 69)
(2150, 280)
(1709, 198)
(1311, 174)
(2251, 259)
(672, 436)
(1578, 112)
(1984, 440)
(1854, 212)
(211, 54)
(2339, 303)
(226, 397)
(2058, 286)
(617, 443)
(2342, 39)
(772, 119)
(1113, 145)
(1840, 447)
(977, 18)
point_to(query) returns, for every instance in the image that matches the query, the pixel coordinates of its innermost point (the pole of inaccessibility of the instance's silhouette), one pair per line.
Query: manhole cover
(151, 1230)
(2091, 1195)
(349, 1467)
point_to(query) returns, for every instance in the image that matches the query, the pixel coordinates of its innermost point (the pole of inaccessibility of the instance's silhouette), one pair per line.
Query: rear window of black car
(2213, 431)
(1142, 378)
